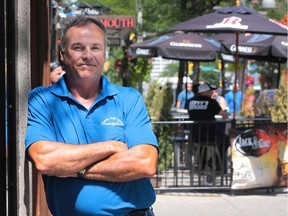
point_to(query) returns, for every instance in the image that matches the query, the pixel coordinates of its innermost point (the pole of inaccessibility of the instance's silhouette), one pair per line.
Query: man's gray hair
(79, 21)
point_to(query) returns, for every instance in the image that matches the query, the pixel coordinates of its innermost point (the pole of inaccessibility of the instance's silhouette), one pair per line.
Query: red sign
(118, 22)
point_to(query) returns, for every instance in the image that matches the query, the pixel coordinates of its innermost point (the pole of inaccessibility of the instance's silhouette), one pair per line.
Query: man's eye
(96, 48)
(77, 48)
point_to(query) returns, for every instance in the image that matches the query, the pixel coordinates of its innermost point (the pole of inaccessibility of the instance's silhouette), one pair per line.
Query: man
(220, 99)
(56, 72)
(229, 97)
(91, 140)
(202, 107)
(183, 96)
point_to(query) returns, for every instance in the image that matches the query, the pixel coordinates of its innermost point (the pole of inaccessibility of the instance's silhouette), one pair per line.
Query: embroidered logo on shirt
(198, 105)
(112, 121)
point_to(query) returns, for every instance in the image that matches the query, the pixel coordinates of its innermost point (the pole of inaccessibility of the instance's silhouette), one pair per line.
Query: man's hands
(138, 162)
(66, 160)
(107, 161)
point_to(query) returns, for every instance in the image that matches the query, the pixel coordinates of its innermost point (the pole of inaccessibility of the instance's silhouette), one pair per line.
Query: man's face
(189, 87)
(214, 93)
(84, 56)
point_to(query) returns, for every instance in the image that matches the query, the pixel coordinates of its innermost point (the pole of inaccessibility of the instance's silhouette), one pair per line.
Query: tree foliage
(116, 7)
(159, 101)
(114, 55)
(279, 110)
(171, 70)
(158, 15)
(275, 13)
(140, 70)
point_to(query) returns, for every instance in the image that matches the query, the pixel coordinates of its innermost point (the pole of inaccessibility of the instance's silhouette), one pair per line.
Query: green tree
(115, 7)
(279, 112)
(210, 77)
(115, 54)
(158, 15)
(140, 70)
(275, 13)
(159, 101)
(171, 70)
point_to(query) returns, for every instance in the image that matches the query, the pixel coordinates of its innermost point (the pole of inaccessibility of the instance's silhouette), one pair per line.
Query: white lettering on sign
(185, 44)
(198, 105)
(243, 49)
(229, 22)
(145, 52)
(284, 43)
(253, 142)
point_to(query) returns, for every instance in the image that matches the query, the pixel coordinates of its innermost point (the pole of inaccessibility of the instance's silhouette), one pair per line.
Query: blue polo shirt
(182, 98)
(229, 97)
(118, 113)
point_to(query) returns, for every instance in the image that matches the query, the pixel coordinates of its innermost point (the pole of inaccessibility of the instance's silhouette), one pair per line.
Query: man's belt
(142, 212)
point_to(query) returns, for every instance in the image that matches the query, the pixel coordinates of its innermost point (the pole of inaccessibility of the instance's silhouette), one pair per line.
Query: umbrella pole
(186, 77)
(236, 74)
(223, 77)
(243, 75)
(279, 74)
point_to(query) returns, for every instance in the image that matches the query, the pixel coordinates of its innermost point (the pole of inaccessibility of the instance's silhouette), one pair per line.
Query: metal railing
(194, 143)
(188, 168)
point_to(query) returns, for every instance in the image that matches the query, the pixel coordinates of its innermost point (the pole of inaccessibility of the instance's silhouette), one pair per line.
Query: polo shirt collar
(60, 88)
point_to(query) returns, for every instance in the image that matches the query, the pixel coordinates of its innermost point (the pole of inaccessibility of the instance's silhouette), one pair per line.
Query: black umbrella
(272, 48)
(279, 47)
(179, 46)
(232, 19)
(236, 19)
(263, 47)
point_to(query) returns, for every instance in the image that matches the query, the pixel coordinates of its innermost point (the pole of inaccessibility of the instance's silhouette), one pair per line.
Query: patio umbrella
(232, 19)
(236, 19)
(263, 47)
(179, 46)
(279, 47)
(272, 48)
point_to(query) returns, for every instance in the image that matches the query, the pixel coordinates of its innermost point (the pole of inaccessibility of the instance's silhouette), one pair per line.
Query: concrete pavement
(242, 203)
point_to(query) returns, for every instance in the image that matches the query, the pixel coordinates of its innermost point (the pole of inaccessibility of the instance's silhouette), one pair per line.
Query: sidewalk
(242, 203)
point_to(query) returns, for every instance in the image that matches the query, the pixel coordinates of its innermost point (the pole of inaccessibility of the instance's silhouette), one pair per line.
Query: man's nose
(87, 54)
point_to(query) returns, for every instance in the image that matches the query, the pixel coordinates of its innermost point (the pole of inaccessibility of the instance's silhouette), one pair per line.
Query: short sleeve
(138, 127)
(39, 125)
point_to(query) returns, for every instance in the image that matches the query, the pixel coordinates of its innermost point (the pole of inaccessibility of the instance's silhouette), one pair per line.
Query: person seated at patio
(195, 88)
(220, 99)
(229, 97)
(202, 107)
(184, 96)
(223, 104)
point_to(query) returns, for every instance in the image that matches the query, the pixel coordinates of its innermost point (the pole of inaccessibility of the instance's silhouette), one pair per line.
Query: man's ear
(61, 58)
